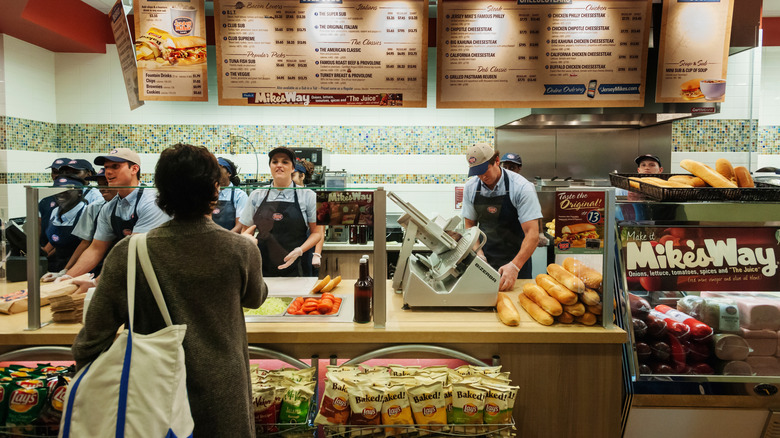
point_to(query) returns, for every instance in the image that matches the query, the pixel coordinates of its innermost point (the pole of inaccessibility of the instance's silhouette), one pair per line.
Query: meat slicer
(452, 275)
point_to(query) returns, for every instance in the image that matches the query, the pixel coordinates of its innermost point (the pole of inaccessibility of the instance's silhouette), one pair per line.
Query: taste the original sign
(701, 258)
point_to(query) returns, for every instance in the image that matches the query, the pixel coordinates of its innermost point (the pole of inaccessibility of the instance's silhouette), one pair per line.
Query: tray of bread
(724, 183)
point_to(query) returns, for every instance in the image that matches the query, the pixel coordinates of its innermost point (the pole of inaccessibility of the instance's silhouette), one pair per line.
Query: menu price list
(542, 53)
(322, 53)
(170, 83)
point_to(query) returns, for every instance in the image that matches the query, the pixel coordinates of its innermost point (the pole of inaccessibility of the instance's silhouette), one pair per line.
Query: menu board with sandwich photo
(322, 52)
(694, 50)
(579, 221)
(170, 49)
(542, 53)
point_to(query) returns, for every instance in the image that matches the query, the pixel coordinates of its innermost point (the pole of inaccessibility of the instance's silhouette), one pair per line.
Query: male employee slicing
(505, 207)
(133, 210)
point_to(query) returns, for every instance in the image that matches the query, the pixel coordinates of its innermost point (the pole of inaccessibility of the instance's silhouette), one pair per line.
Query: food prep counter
(569, 375)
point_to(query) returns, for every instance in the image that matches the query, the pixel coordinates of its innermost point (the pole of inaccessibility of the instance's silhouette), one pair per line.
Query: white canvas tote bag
(136, 388)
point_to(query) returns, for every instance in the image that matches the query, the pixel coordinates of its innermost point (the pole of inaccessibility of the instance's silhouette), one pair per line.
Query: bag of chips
(468, 404)
(396, 409)
(334, 406)
(365, 402)
(428, 407)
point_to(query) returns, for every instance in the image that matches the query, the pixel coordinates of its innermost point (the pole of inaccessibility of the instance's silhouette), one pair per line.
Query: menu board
(345, 208)
(126, 51)
(694, 50)
(542, 53)
(170, 49)
(322, 52)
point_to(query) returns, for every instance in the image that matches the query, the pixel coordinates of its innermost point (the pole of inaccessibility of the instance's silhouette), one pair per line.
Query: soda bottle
(364, 291)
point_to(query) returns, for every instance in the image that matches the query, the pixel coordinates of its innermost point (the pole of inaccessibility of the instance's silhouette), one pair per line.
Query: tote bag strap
(151, 278)
(138, 247)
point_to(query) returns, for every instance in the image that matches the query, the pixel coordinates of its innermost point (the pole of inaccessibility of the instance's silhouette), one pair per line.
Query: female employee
(63, 219)
(285, 220)
(231, 199)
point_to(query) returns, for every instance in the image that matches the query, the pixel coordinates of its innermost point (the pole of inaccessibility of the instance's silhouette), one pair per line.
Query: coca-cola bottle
(364, 291)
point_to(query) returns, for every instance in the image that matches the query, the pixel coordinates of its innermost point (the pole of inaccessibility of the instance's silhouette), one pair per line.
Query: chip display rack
(419, 430)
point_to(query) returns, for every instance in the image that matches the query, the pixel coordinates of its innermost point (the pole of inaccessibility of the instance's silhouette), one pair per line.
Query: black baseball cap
(284, 150)
(644, 157)
(80, 164)
(59, 162)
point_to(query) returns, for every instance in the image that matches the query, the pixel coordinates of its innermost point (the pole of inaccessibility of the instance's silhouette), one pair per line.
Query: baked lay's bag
(487, 371)
(428, 407)
(400, 370)
(365, 402)
(298, 375)
(468, 404)
(499, 402)
(334, 406)
(396, 409)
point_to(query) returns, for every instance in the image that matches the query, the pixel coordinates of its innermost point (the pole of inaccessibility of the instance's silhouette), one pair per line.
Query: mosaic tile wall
(692, 135)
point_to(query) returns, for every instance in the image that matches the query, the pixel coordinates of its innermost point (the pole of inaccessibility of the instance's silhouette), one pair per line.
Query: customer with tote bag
(206, 274)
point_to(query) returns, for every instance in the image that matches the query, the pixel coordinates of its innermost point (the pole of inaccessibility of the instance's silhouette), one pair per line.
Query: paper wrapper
(16, 302)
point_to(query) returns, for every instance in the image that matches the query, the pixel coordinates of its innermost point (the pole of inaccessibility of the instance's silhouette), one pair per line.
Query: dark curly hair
(234, 178)
(186, 178)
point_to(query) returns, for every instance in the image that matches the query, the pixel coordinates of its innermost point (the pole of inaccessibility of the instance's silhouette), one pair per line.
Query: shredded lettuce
(271, 306)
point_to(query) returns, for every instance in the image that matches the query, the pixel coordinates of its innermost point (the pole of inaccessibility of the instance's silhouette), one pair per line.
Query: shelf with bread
(724, 183)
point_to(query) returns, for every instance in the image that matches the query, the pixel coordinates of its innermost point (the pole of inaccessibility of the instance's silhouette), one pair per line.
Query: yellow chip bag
(428, 406)
(396, 409)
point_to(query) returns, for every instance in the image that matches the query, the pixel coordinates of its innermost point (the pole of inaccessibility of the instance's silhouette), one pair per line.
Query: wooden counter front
(569, 375)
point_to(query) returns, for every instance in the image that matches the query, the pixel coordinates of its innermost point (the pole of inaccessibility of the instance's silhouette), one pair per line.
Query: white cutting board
(289, 285)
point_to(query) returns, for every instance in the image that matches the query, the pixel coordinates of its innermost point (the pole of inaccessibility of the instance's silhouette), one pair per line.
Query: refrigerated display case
(699, 292)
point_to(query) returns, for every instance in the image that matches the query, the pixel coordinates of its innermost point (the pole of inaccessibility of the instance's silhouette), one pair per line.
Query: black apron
(62, 239)
(281, 228)
(497, 218)
(124, 227)
(224, 214)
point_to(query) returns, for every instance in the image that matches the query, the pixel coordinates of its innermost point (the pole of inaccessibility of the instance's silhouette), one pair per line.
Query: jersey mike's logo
(278, 216)
(55, 237)
(216, 211)
(492, 210)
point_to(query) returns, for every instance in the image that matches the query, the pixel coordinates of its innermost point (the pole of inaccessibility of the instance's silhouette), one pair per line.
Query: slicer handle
(484, 240)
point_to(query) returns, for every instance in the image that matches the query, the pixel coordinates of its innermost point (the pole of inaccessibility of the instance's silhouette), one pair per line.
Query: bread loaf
(540, 297)
(555, 289)
(535, 311)
(682, 179)
(591, 277)
(723, 167)
(590, 297)
(698, 182)
(586, 318)
(566, 278)
(565, 318)
(743, 177)
(577, 309)
(707, 174)
(507, 312)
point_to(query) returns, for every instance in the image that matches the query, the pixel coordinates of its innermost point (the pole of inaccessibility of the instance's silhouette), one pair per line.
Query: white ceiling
(771, 7)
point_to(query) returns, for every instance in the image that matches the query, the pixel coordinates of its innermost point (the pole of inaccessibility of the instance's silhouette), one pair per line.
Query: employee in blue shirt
(231, 200)
(63, 219)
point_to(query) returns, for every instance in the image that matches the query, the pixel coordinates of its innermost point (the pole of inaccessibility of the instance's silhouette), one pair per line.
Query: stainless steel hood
(744, 35)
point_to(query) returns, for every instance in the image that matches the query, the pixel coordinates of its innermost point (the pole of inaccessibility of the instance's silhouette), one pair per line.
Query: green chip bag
(27, 399)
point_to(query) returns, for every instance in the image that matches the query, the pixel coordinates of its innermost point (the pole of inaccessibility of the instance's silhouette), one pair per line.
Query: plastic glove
(51, 276)
(543, 240)
(62, 277)
(290, 258)
(481, 255)
(249, 234)
(316, 259)
(508, 274)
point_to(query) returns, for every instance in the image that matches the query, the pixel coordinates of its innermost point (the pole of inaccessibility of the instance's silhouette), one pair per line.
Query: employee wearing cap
(511, 162)
(231, 200)
(648, 163)
(47, 204)
(59, 231)
(302, 176)
(285, 219)
(82, 169)
(505, 207)
(133, 210)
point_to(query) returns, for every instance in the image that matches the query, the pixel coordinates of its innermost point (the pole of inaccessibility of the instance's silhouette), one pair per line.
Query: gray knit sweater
(206, 274)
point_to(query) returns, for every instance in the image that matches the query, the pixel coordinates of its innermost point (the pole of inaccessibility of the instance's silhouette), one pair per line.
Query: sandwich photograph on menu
(158, 48)
(691, 90)
(578, 234)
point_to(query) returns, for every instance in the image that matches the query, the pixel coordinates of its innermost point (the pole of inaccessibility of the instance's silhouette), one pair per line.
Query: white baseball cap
(479, 157)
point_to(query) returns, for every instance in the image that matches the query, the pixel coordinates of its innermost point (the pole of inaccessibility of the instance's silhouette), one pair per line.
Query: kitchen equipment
(453, 275)
(336, 179)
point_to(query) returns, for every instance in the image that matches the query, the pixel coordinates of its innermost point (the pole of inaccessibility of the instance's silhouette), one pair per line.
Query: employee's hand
(249, 234)
(508, 276)
(543, 240)
(63, 277)
(316, 259)
(290, 258)
(51, 276)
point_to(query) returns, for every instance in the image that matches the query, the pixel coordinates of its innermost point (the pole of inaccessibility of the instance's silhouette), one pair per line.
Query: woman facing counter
(569, 376)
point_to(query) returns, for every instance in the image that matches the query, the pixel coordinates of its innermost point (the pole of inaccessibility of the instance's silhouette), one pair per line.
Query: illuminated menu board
(542, 53)
(694, 50)
(322, 53)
